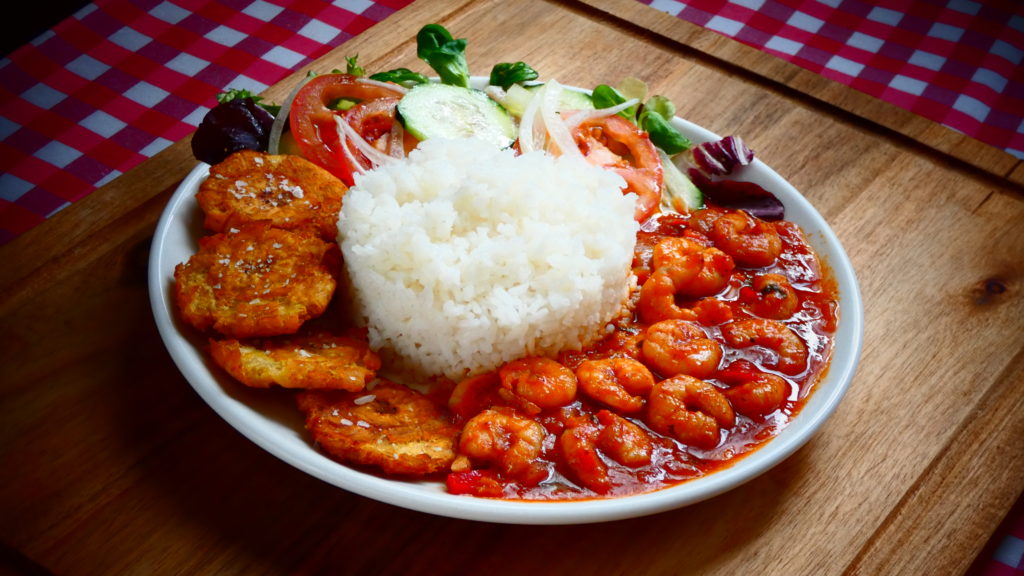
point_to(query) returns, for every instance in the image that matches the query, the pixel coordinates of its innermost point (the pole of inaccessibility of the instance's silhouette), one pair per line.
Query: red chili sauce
(570, 455)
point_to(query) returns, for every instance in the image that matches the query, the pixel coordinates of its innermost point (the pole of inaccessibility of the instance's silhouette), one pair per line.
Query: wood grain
(114, 465)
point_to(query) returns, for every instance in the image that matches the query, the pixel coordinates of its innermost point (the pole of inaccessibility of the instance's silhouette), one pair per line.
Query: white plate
(272, 421)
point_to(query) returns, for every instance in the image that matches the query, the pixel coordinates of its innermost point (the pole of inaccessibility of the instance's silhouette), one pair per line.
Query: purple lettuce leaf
(738, 195)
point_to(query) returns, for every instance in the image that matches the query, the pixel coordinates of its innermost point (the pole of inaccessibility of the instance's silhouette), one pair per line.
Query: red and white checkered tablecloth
(122, 79)
(957, 62)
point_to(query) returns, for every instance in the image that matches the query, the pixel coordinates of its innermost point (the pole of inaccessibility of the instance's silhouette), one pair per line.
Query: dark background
(21, 25)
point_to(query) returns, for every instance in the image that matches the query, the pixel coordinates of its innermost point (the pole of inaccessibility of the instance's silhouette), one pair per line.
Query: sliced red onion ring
(722, 157)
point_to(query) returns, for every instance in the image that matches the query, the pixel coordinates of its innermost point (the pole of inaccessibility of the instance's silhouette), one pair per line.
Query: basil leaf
(604, 96)
(402, 76)
(430, 38)
(506, 74)
(662, 133)
(655, 119)
(445, 55)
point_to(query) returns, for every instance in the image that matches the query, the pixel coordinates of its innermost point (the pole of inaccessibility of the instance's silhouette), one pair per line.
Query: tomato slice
(482, 483)
(312, 121)
(615, 143)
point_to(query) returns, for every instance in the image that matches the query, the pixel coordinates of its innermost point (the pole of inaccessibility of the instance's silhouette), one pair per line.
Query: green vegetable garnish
(664, 135)
(342, 104)
(402, 76)
(506, 74)
(446, 55)
(351, 67)
(605, 96)
(659, 105)
(654, 119)
(238, 94)
(631, 87)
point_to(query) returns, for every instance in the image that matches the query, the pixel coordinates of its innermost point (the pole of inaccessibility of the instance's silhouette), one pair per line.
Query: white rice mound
(462, 257)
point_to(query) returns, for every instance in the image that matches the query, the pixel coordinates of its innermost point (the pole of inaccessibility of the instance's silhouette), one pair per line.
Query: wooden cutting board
(112, 464)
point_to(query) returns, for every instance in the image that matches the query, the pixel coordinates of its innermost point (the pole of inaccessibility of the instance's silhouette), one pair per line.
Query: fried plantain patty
(257, 281)
(390, 427)
(287, 190)
(314, 360)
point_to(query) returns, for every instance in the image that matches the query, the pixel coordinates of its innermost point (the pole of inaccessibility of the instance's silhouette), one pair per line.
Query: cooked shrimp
(508, 441)
(683, 267)
(579, 447)
(751, 242)
(771, 296)
(657, 299)
(615, 437)
(690, 410)
(536, 383)
(702, 220)
(624, 441)
(754, 393)
(621, 383)
(772, 334)
(627, 342)
(474, 394)
(711, 270)
(712, 311)
(674, 347)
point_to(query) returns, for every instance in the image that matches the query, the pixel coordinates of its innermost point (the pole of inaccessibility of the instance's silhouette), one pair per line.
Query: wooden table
(112, 464)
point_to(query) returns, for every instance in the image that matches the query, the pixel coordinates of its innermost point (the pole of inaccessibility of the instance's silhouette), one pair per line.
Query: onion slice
(721, 157)
(559, 134)
(582, 116)
(396, 140)
(387, 85)
(528, 141)
(347, 135)
(277, 128)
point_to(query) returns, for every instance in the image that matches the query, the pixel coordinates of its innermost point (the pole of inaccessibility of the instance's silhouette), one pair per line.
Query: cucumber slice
(518, 97)
(680, 193)
(574, 100)
(446, 111)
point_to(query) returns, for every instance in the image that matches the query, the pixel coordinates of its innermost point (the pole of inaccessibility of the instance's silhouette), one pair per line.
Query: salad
(349, 122)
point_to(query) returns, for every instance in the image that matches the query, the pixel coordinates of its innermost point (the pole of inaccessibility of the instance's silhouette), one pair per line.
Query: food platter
(271, 421)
